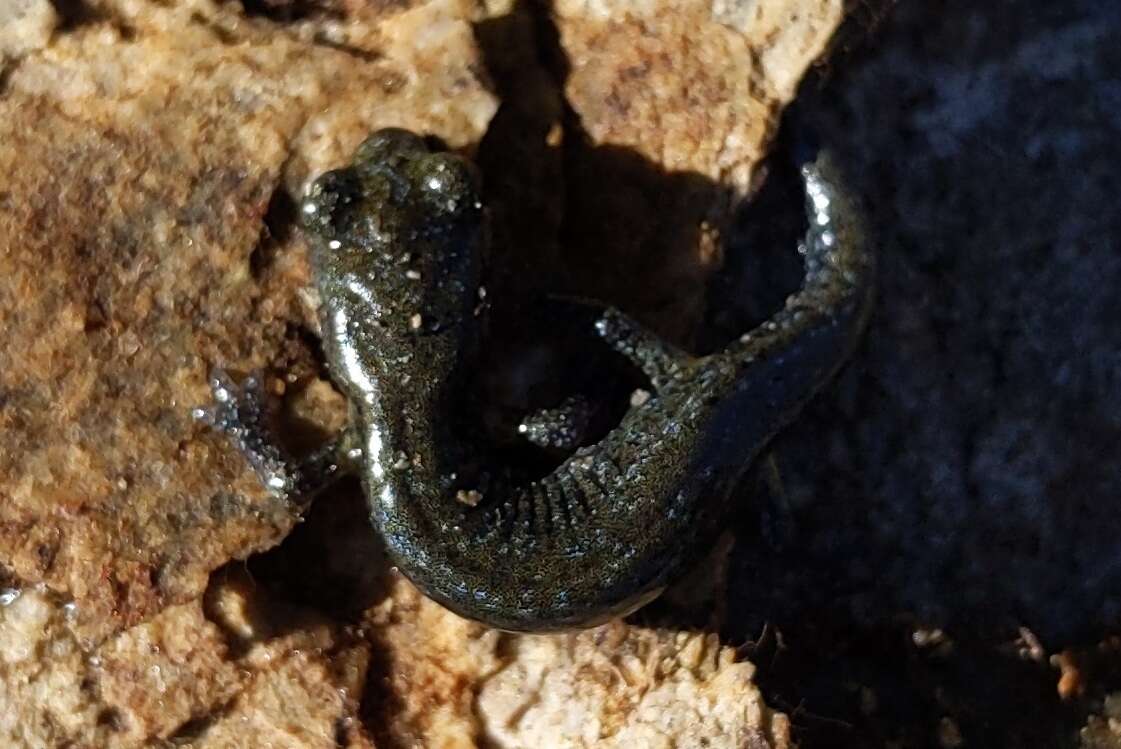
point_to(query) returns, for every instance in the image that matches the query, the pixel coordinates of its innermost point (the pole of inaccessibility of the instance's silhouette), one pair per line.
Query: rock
(25, 26)
(145, 159)
(619, 685)
(693, 86)
(1104, 731)
(174, 677)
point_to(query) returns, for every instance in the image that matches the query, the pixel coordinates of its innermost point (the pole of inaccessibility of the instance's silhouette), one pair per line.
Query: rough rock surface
(151, 154)
(1104, 731)
(142, 155)
(463, 685)
(229, 679)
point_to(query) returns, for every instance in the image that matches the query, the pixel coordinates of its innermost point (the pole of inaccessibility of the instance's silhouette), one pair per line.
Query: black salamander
(396, 238)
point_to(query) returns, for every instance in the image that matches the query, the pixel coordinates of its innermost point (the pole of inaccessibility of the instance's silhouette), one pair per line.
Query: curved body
(396, 238)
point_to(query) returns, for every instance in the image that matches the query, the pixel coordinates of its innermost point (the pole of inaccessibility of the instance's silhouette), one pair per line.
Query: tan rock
(1104, 731)
(25, 25)
(621, 686)
(139, 159)
(175, 676)
(695, 85)
(159, 675)
(42, 667)
(457, 684)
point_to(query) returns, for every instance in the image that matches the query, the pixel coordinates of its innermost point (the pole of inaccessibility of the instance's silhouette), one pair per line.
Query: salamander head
(398, 232)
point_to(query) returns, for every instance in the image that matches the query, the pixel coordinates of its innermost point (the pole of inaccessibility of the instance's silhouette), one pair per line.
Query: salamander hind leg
(239, 412)
(658, 359)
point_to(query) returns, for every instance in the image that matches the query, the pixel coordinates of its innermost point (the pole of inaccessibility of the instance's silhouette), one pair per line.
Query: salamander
(396, 239)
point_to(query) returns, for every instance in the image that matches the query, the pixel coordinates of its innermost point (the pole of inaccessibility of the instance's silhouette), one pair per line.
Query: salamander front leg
(659, 360)
(239, 411)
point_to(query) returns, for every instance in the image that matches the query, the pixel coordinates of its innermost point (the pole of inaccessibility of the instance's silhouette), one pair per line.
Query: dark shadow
(75, 14)
(332, 562)
(279, 220)
(291, 11)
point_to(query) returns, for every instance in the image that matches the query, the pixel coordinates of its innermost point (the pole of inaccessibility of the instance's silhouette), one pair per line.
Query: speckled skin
(396, 241)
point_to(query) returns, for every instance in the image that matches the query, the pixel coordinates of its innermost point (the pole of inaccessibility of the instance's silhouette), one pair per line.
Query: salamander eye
(329, 203)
